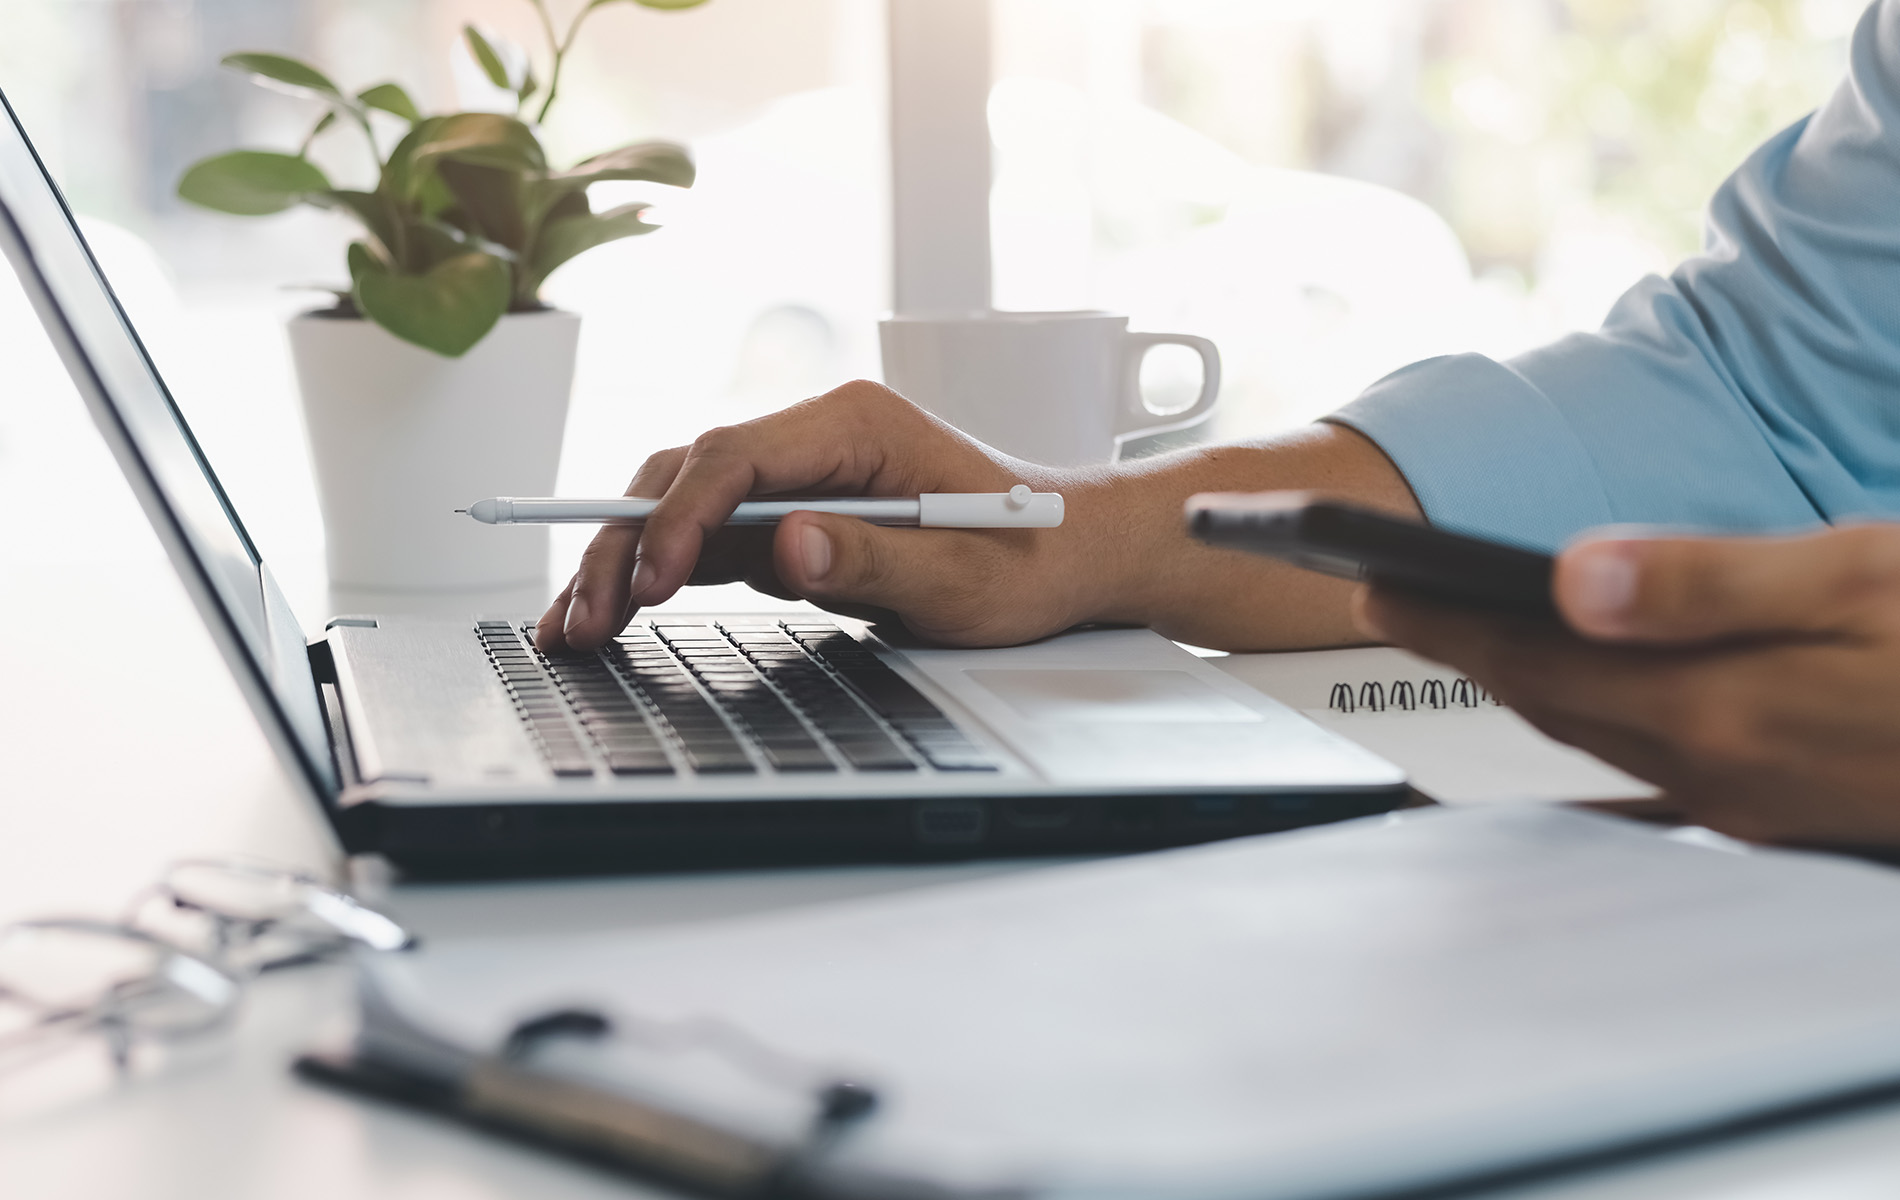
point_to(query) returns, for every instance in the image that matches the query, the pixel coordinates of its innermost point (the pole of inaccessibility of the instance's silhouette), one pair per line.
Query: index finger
(597, 603)
(810, 446)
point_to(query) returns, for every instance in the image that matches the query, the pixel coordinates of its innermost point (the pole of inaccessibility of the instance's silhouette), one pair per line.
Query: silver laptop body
(456, 747)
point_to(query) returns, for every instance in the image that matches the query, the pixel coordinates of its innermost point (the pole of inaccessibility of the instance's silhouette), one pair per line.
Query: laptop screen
(161, 458)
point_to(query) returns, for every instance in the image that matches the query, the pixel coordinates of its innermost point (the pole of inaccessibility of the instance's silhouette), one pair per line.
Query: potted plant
(439, 376)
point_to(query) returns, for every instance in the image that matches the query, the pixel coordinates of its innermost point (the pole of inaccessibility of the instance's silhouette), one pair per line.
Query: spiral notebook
(1455, 741)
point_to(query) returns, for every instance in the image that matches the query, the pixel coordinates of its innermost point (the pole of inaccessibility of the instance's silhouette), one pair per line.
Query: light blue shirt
(1756, 388)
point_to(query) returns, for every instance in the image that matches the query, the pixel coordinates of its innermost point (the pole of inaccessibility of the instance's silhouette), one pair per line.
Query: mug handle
(1136, 419)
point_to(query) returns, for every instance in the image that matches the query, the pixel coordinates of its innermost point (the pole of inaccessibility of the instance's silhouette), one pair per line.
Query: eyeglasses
(175, 964)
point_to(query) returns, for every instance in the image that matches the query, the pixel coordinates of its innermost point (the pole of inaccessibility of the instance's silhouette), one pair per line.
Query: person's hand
(1756, 680)
(968, 587)
(1121, 555)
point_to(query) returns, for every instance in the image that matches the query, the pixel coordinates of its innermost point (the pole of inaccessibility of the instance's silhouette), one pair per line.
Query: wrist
(1114, 546)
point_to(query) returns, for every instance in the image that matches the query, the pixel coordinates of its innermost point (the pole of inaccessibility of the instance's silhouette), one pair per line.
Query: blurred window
(1329, 188)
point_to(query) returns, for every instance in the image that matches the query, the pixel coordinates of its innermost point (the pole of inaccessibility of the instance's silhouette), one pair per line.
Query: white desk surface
(120, 755)
(124, 745)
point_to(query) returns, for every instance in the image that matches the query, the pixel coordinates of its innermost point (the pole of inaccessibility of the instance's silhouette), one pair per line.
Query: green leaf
(655, 162)
(370, 208)
(486, 140)
(392, 99)
(489, 199)
(486, 58)
(252, 183)
(402, 177)
(652, 162)
(432, 243)
(432, 197)
(573, 204)
(448, 310)
(362, 258)
(285, 74)
(568, 237)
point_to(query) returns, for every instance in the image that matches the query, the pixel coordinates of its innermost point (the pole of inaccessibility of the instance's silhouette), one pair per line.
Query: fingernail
(1601, 586)
(814, 546)
(643, 576)
(576, 613)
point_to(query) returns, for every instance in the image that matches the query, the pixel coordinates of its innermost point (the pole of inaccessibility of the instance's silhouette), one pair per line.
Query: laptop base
(540, 839)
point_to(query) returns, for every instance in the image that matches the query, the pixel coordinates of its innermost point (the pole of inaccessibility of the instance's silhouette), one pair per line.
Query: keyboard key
(892, 695)
(641, 742)
(610, 699)
(721, 760)
(712, 690)
(769, 726)
(807, 758)
(871, 757)
(787, 739)
(686, 709)
(935, 737)
(622, 735)
(947, 743)
(700, 728)
(617, 722)
(970, 759)
(836, 719)
(639, 763)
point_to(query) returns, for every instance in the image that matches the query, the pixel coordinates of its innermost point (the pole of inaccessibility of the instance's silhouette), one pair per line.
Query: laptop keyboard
(702, 697)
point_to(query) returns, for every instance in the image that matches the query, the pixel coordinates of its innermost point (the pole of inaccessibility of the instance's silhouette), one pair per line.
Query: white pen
(1018, 508)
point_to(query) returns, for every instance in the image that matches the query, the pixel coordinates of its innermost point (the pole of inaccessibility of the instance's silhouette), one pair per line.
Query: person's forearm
(1139, 566)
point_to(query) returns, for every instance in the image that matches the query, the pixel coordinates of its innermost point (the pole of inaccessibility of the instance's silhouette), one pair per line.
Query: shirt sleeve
(1755, 389)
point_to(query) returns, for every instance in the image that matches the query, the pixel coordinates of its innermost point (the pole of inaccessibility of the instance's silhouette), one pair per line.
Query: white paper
(1456, 755)
(1337, 1011)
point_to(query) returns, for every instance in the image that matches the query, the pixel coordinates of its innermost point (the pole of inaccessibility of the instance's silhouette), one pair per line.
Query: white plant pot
(401, 437)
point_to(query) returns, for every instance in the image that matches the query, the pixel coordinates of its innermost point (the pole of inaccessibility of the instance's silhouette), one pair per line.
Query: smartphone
(1393, 552)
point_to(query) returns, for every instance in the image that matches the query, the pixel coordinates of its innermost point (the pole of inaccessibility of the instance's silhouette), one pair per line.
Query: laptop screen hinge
(322, 662)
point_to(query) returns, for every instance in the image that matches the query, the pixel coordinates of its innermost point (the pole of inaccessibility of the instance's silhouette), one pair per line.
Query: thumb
(934, 579)
(1692, 589)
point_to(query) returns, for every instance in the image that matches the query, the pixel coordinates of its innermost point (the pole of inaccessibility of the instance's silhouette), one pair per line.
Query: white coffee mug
(1061, 388)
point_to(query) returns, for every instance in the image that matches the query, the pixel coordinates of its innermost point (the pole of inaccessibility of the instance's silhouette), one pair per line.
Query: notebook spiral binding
(1402, 694)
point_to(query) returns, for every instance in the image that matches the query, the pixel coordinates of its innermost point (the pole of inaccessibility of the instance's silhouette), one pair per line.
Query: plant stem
(362, 122)
(547, 27)
(303, 151)
(560, 55)
(554, 49)
(369, 135)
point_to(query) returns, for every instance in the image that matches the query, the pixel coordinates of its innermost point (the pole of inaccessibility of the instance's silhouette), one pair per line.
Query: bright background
(1327, 188)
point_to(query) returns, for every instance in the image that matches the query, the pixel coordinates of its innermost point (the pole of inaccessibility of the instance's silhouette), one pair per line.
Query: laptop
(455, 747)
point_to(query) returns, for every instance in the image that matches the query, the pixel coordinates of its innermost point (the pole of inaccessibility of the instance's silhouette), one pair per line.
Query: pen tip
(463, 511)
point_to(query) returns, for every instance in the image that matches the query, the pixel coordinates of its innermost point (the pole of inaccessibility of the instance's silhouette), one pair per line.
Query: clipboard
(1372, 1007)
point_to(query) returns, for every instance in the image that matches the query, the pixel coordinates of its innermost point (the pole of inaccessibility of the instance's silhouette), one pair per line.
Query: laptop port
(951, 822)
(1039, 812)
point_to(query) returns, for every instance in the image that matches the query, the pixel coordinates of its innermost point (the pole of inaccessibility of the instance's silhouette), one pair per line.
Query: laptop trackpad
(1102, 696)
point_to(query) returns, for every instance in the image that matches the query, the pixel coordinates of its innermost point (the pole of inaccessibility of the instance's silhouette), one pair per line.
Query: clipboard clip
(559, 1079)
(838, 1102)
